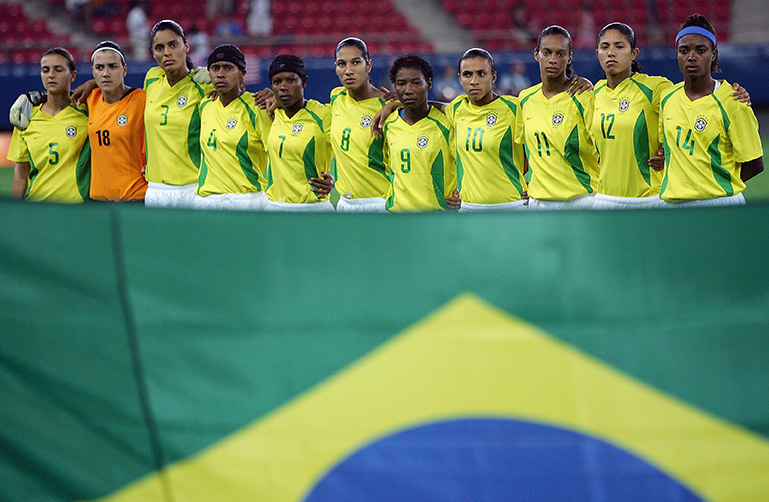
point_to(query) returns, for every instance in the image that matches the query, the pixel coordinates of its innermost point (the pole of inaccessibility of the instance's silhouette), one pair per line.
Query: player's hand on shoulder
(81, 92)
(741, 94)
(580, 85)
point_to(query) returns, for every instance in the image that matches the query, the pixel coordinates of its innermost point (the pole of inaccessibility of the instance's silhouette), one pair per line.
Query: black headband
(229, 53)
(289, 65)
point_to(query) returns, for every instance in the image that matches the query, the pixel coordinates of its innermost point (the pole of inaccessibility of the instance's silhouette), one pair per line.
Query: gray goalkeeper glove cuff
(21, 110)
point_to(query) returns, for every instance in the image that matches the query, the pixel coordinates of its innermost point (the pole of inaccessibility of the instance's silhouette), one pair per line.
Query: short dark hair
(477, 52)
(701, 21)
(627, 32)
(557, 30)
(289, 63)
(411, 60)
(61, 51)
(354, 42)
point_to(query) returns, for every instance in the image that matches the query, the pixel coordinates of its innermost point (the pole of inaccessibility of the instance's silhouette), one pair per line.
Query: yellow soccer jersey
(298, 149)
(233, 153)
(172, 128)
(421, 160)
(358, 164)
(706, 141)
(489, 162)
(555, 132)
(59, 155)
(625, 131)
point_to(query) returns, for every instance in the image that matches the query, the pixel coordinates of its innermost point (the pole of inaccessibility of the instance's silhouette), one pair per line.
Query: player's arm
(82, 91)
(751, 168)
(20, 177)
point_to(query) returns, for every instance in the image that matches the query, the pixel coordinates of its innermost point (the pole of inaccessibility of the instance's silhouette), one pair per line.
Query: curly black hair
(411, 60)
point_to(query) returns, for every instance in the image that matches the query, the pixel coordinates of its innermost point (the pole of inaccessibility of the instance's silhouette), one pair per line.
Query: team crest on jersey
(181, 101)
(297, 128)
(422, 142)
(122, 120)
(624, 105)
(491, 119)
(557, 119)
(365, 121)
(700, 124)
(70, 131)
(231, 123)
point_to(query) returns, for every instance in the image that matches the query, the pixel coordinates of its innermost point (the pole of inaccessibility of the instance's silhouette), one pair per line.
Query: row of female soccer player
(656, 143)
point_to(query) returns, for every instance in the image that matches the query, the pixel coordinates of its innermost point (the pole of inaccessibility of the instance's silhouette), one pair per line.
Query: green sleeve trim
(436, 171)
(720, 174)
(317, 119)
(599, 88)
(376, 156)
(580, 108)
(727, 122)
(308, 157)
(201, 91)
(571, 153)
(251, 114)
(645, 90)
(387, 124)
(510, 104)
(79, 110)
(83, 170)
(193, 138)
(442, 128)
(149, 82)
(334, 96)
(245, 162)
(533, 91)
(665, 100)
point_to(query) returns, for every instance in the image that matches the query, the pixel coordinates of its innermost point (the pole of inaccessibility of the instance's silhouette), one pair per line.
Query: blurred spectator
(586, 33)
(200, 45)
(259, 20)
(216, 8)
(80, 10)
(515, 81)
(138, 27)
(447, 86)
(522, 32)
(228, 28)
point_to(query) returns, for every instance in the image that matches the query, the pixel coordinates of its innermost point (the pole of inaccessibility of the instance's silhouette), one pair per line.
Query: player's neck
(176, 76)
(413, 115)
(699, 87)
(115, 95)
(228, 97)
(551, 87)
(363, 92)
(294, 109)
(612, 81)
(55, 103)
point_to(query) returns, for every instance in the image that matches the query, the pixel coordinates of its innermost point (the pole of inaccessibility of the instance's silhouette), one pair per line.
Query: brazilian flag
(165, 355)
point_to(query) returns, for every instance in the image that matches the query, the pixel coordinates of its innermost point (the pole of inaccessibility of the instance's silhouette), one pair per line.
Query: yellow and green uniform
(421, 160)
(489, 162)
(625, 129)
(172, 128)
(706, 141)
(358, 165)
(298, 149)
(231, 142)
(556, 135)
(59, 155)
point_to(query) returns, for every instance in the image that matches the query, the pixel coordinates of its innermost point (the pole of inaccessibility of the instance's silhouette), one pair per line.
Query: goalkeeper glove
(21, 110)
(201, 75)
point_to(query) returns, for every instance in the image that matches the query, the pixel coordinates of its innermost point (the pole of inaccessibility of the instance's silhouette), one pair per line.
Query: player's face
(553, 56)
(411, 87)
(225, 76)
(695, 55)
(615, 54)
(55, 73)
(288, 87)
(351, 67)
(170, 51)
(477, 79)
(108, 70)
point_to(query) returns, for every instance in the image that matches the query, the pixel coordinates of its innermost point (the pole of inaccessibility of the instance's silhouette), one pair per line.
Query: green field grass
(757, 190)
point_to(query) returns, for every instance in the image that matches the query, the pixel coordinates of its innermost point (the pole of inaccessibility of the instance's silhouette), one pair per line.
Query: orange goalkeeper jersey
(116, 133)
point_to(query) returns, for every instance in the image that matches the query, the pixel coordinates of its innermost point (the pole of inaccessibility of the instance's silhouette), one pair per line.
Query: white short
(251, 201)
(603, 201)
(162, 195)
(730, 200)
(274, 206)
(516, 205)
(577, 202)
(370, 205)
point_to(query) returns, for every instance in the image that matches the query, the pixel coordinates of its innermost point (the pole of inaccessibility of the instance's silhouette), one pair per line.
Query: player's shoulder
(527, 94)
(336, 93)
(508, 102)
(153, 75)
(600, 86)
(670, 92)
